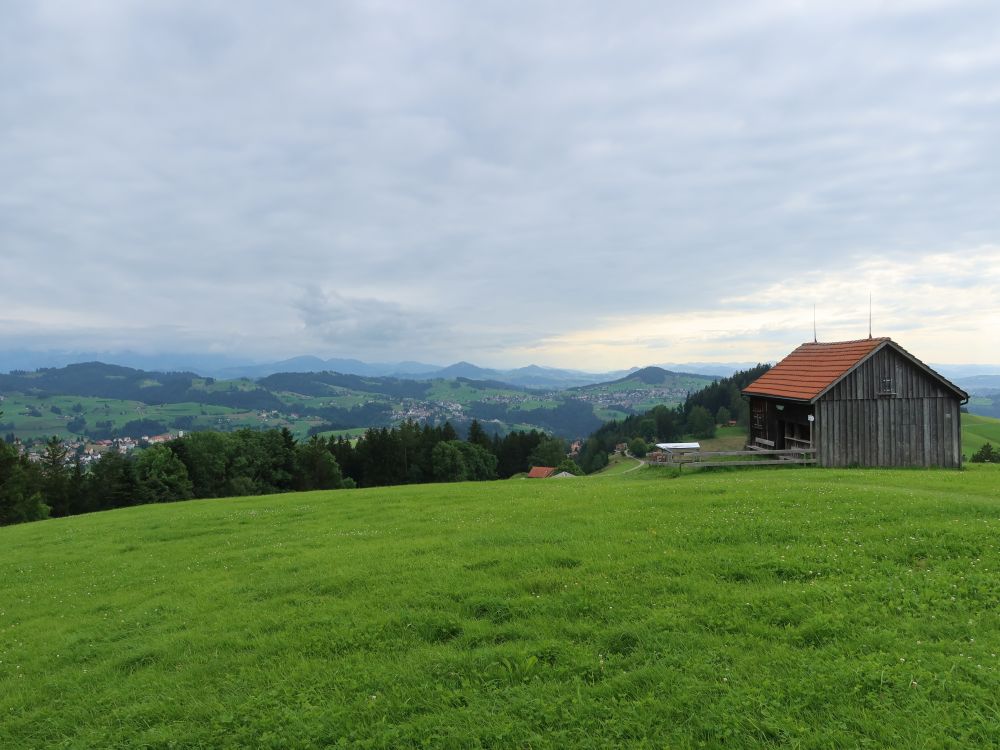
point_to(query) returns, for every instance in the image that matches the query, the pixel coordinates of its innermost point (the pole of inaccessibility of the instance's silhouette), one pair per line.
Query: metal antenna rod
(814, 323)
(869, 314)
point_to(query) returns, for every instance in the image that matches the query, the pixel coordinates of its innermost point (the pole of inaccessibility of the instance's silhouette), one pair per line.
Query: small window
(886, 384)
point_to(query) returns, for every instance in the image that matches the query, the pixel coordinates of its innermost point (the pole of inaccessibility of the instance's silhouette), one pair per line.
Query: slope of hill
(791, 607)
(977, 431)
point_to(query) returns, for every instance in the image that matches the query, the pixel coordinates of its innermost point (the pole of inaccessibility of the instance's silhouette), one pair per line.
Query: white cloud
(944, 308)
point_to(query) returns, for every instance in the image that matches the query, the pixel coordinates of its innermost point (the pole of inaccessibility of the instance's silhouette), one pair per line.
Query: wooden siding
(906, 380)
(888, 412)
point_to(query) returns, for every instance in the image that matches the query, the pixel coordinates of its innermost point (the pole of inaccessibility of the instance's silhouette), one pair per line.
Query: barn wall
(888, 412)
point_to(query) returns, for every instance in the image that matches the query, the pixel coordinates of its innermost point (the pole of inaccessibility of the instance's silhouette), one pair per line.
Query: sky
(574, 184)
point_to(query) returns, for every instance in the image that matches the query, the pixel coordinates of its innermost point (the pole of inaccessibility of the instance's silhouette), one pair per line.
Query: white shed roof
(671, 447)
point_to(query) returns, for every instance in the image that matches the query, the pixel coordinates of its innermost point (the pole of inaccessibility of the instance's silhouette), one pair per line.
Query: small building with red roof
(858, 403)
(541, 472)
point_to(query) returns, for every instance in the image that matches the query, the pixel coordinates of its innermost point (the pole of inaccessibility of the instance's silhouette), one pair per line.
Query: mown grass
(795, 607)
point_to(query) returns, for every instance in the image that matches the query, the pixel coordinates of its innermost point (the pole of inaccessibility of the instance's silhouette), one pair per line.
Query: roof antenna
(814, 323)
(869, 315)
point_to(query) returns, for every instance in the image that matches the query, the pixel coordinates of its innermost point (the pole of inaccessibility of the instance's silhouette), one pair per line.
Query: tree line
(250, 462)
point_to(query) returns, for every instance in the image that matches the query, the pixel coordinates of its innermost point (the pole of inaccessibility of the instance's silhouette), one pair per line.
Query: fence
(758, 457)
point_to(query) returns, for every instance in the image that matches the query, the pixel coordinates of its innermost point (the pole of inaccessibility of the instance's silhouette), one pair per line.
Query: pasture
(977, 431)
(792, 607)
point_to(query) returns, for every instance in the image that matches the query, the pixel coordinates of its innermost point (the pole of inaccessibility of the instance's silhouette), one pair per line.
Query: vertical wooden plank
(821, 434)
(904, 431)
(859, 431)
(939, 438)
(845, 458)
(900, 432)
(890, 431)
(871, 432)
(887, 432)
(925, 415)
(911, 457)
(956, 432)
(894, 407)
(818, 442)
(861, 409)
(946, 458)
(867, 420)
(852, 435)
(833, 432)
(840, 434)
(880, 431)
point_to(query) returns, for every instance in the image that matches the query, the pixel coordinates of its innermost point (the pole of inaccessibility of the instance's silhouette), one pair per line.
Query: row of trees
(248, 462)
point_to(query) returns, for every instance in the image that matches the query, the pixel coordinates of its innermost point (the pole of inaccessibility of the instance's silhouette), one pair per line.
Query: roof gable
(541, 472)
(813, 369)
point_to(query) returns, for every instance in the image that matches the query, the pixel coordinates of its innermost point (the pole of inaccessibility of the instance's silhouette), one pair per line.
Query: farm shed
(858, 403)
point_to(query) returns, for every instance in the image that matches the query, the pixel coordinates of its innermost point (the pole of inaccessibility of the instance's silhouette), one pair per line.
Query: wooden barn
(858, 403)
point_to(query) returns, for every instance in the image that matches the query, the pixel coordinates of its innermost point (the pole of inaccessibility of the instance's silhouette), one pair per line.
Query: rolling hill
(99, 401)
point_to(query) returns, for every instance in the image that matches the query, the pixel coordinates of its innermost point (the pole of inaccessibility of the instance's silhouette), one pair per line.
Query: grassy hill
(977, 431)
(808, 608)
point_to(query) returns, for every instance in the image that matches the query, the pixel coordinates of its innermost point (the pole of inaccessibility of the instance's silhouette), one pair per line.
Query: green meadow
(770, 608)
(977, 431)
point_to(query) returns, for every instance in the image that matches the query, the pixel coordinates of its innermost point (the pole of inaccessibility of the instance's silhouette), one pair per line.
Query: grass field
(977, 431)
(798, 608)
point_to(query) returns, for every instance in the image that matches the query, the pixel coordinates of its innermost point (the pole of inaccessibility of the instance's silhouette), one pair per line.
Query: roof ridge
(850, 341)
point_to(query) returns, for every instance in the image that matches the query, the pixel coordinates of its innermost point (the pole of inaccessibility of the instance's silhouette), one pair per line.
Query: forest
(259, 462)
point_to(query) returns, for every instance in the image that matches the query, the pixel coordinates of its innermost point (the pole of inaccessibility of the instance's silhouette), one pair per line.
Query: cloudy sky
(595, 185)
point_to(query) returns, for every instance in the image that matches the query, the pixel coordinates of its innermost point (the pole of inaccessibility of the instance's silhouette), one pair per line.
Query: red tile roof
(541, 472)
(812, 368)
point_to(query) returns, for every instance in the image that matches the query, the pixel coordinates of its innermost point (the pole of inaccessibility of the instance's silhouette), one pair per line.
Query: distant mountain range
(532, 376)
(977, 383)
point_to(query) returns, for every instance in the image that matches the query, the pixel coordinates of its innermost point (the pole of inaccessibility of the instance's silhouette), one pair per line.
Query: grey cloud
(548, 168)
(365, 325)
